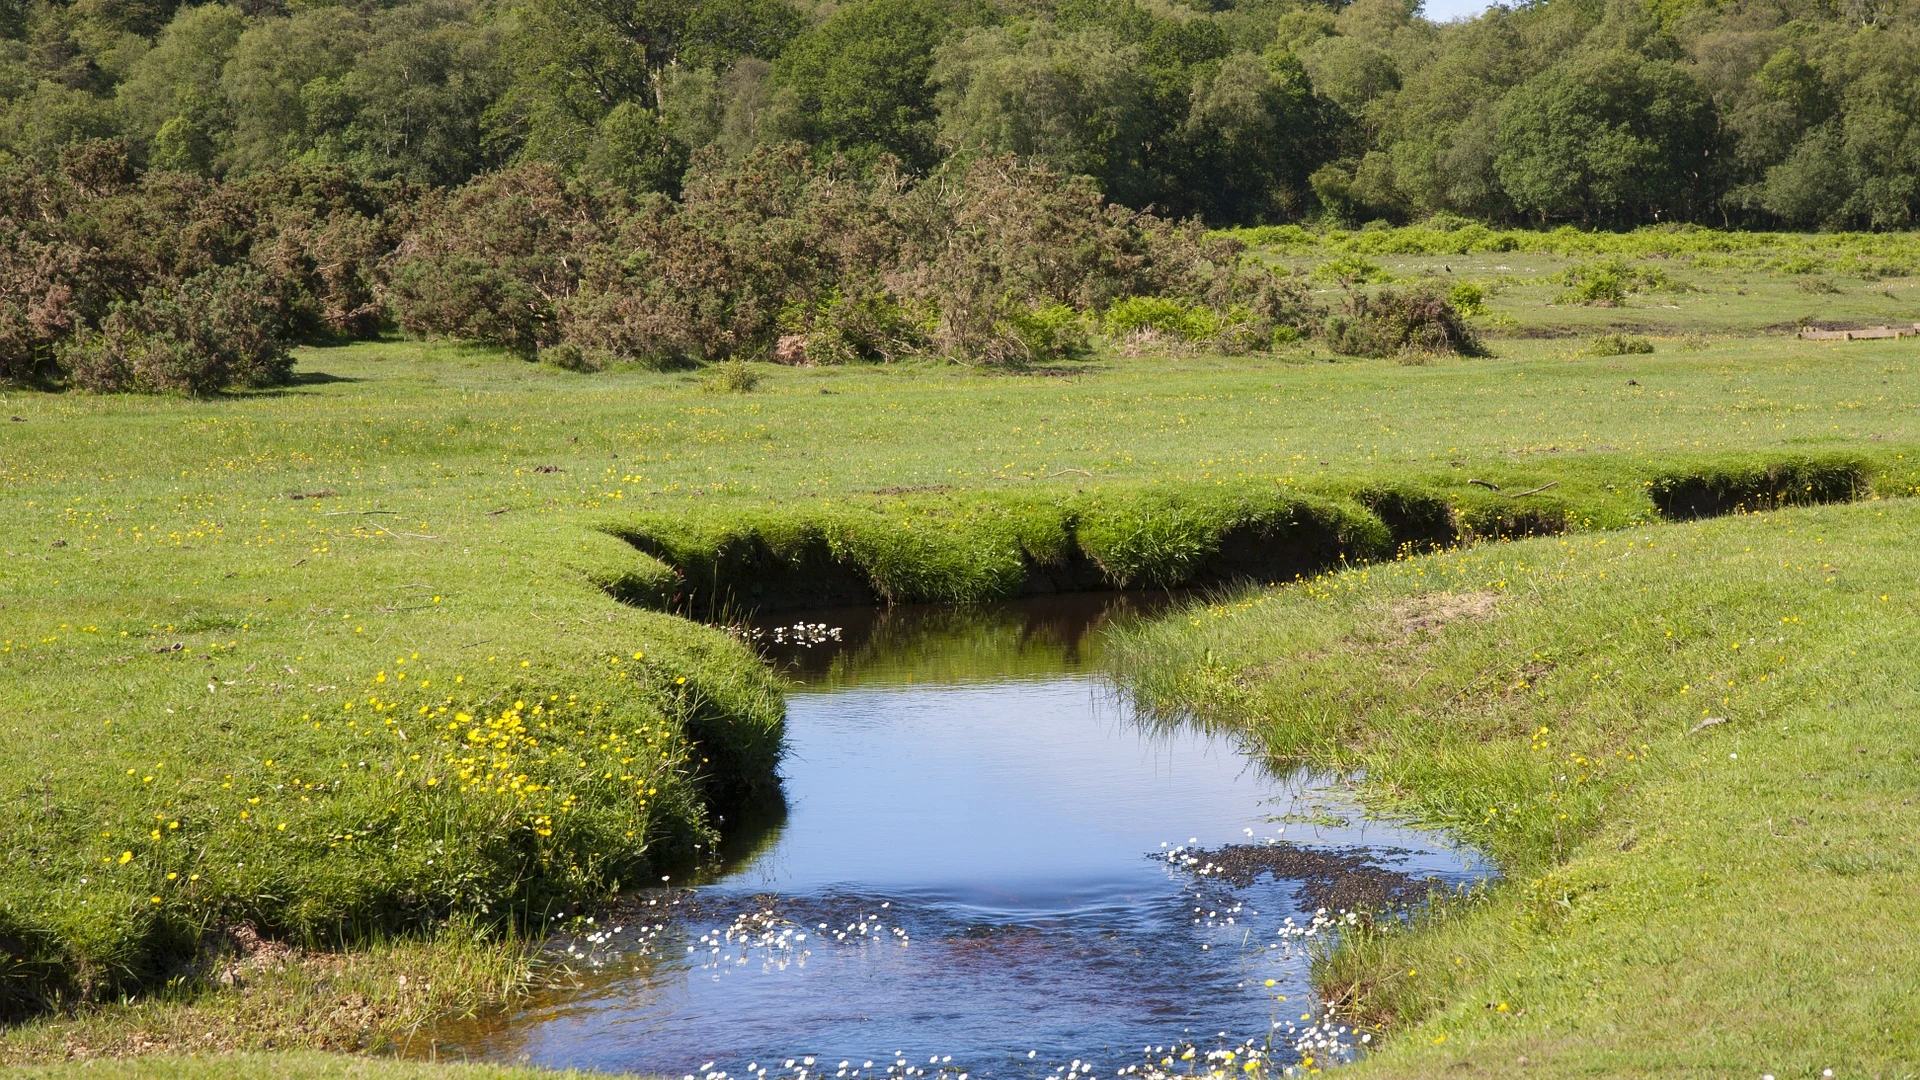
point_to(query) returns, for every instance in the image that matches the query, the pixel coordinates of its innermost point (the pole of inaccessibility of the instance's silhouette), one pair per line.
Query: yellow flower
(126, 857)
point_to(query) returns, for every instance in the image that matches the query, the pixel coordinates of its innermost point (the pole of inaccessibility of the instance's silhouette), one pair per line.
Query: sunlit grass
(1687, 746)
(434, 504)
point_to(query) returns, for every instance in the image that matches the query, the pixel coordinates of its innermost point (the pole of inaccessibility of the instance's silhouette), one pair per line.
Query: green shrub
(1351, 270)
(1618, 345)
(1468, 299)
(1174, 318)
(730, 377)
(1609, 283)
(1407, 323)
(216, 330)
(865, 327)
(1036, 334)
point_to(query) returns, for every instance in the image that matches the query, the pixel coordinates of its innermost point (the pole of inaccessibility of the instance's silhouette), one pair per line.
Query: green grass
(291, 1066)
(452, 516)
(1689, 748)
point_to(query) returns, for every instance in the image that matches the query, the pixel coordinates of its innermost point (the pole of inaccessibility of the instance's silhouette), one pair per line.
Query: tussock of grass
(1686, 747)
(256, 994)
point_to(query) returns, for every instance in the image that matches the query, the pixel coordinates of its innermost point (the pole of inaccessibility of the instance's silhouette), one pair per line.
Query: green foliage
(859, 83)
(1468, 299)
(1164, 315)
(1610, 283)
(1609, 137)
(1351, 270)
(1408, 323)
(1619, 345)
(731, 377)
(869, 327)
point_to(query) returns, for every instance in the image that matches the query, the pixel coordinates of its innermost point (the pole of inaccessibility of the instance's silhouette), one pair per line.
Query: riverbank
(1688, 747)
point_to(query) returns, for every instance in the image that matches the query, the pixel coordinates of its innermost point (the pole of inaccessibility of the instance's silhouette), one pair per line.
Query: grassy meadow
(1689, 748)
(313, 689)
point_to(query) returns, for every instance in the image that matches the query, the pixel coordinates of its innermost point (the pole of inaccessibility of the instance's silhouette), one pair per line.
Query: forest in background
(185, 191)
(1604, 113)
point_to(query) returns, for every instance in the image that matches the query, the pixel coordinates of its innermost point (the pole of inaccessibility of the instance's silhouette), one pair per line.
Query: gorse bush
(993, 262)
(1408, 323)
(124, 280)
(214, 330)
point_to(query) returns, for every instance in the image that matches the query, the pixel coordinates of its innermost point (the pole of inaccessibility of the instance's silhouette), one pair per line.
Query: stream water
(987, 866)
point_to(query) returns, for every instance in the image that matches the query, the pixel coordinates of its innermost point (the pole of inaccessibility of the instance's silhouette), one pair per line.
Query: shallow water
(972, 876)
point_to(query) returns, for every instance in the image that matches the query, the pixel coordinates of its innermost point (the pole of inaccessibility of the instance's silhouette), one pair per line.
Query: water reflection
(971, 867)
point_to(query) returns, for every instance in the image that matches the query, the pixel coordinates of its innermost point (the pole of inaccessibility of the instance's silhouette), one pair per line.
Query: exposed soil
(1336, 878)
(1421, 615)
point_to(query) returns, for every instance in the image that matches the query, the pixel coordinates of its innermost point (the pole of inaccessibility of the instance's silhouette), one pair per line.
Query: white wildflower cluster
(868, 926)
(808, 1068)
(804, 634)
(777, 941)
(594, 946)
(1185, 857)
(1323, 921)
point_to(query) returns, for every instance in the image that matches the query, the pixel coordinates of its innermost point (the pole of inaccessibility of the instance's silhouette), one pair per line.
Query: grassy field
(318, 669)
(1689, 748)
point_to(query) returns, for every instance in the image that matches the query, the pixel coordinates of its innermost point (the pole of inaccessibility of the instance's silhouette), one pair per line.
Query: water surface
(972, 875)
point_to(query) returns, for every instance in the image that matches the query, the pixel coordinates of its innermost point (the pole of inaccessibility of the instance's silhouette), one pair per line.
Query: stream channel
(987, 867)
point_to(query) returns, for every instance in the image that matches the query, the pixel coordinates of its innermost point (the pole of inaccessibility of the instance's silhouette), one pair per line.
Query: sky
(1449, 10)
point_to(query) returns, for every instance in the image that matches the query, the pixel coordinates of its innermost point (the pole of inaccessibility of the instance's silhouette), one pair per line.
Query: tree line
(1604, 113)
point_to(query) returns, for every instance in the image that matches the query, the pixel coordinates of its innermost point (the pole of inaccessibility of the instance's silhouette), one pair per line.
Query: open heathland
(316, 686)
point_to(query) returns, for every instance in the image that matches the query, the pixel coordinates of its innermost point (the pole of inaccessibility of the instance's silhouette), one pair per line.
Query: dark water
(973, 877)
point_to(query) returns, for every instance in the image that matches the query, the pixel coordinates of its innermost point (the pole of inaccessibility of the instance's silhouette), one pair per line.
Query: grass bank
(974, 547)
(291, 1066)
(1688, 746)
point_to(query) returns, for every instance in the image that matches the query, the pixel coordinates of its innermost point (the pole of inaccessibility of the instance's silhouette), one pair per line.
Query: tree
(858, 84)
(1608, 138)
(575, 61)
(1077, 101)
(1254, 133)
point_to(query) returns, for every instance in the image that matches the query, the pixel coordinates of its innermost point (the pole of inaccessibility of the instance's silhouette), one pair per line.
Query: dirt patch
(914, 490)
(1419, 616)
(1337, 879)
